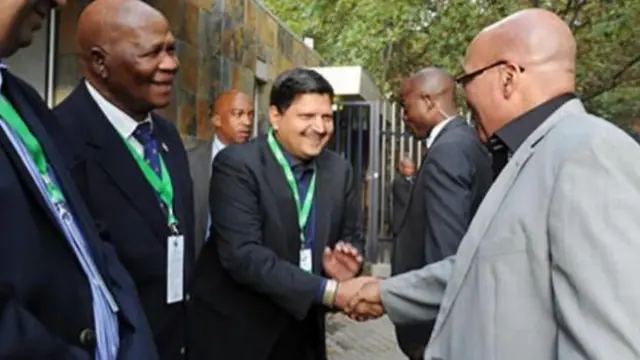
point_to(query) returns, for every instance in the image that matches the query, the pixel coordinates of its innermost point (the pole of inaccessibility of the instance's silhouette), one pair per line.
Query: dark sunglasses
(464, 79)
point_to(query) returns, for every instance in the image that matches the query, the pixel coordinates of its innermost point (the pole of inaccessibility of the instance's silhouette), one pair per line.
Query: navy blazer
(127, 210)
(45, 299)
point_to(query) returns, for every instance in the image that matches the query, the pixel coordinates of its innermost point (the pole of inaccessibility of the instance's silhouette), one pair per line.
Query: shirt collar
(437, 130)
(124, 124)
(514, 133)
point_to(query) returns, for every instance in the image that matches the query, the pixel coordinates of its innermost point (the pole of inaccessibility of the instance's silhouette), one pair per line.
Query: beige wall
(219, 42)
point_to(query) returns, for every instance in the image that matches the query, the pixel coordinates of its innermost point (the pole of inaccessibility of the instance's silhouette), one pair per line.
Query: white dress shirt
(436, 130)
(124, 124)
(216, 147)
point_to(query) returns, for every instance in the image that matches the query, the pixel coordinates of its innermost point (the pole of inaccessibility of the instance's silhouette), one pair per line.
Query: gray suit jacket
(200, 167)
(548, 268)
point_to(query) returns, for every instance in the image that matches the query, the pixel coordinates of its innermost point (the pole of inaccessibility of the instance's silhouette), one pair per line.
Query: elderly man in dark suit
(452, 181)
(63, 292)
(286, 235)
(232, 118)
(133, 169)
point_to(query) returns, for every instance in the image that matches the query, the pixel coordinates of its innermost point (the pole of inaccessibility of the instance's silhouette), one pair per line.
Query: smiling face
(19, 19)
(304, 129)
(141, 66)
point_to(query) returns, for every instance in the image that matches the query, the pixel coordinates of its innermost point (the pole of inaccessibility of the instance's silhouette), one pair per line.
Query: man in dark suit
(63, 292)
(286, 235)
(452, 181)
(232, 118)
(133, 170)
(400, 191)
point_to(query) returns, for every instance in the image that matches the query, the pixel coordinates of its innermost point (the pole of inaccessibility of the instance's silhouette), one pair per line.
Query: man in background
(400, 191)
(452, 181)
(132, 168)
(232, 118)
(63, 292)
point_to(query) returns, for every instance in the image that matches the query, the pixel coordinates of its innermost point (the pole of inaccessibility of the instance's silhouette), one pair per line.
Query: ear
(98, 62)
(509, 78)
(428, 101)
(274, 117)
(216, 120)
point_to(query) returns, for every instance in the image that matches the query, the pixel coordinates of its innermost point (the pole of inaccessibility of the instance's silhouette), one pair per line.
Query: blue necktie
(150, 145)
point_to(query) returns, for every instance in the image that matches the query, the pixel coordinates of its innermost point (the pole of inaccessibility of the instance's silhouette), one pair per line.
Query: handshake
(357, 297)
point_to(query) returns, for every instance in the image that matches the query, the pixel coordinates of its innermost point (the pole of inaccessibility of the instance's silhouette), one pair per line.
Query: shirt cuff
(320, 293)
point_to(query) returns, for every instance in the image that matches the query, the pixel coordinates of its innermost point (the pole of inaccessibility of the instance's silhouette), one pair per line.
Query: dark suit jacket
(200, 168)
(128, 212)
(400, 191)
(250, 298)
(45, 298)
(452, 181)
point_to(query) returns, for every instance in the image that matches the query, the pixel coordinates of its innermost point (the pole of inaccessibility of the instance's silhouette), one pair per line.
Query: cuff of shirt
(320, 293)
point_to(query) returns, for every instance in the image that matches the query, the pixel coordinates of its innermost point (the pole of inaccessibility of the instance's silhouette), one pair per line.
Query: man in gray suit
(232, 118)
(548, 267)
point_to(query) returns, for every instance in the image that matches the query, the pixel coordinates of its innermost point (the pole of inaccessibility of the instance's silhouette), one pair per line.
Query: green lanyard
(305, 209)
(15, 122)
(162, 186)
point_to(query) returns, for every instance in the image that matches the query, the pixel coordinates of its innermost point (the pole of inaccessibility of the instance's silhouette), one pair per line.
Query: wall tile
(67, 75)
(189, 58)
(186, 113)
(190, 25)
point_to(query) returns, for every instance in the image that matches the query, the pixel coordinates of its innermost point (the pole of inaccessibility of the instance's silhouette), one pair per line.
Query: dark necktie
(499, 155)
(150, 144)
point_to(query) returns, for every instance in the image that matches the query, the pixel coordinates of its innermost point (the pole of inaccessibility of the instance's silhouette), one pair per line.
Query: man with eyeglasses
(548, 267)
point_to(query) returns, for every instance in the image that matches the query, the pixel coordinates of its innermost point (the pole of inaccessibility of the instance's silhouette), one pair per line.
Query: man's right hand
(366, 304)
(348, 289)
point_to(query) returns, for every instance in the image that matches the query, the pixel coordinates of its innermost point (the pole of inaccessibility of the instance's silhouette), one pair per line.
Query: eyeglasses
(464, 79)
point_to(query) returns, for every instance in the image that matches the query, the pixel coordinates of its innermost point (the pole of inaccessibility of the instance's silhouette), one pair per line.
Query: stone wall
(219, 44)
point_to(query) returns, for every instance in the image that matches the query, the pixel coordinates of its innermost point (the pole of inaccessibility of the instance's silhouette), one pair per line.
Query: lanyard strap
(162, 186)
(15, 122)
(305, 208)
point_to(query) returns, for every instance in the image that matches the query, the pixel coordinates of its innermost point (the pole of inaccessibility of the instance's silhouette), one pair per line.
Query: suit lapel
(33, 121)
(488, 209)
(111, 154)
(286, 207)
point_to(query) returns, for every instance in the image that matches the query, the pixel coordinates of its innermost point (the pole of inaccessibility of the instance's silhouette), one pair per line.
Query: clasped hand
(358, 297)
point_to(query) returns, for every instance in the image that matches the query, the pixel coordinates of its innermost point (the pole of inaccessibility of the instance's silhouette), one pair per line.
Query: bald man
(548, 269)
(453, 179)
(232, 119)
(63, 292)
(132, 168)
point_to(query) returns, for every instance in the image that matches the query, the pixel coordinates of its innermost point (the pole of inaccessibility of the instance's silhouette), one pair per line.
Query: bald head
(535, 39)
(105, 22)
(428, 97)
(233, 117)
(517, 64)
(431, 81)
(128, 54)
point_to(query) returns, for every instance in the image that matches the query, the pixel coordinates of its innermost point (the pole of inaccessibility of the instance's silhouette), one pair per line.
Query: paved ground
(349, 340)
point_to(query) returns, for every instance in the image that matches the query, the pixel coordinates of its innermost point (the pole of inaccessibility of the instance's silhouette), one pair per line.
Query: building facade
(222, 44)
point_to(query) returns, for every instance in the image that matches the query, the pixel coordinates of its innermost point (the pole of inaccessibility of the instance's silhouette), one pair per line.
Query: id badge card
(175, 268)
(306, 260)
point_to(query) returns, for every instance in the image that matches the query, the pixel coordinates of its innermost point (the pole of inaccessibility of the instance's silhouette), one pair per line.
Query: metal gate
(372, 137)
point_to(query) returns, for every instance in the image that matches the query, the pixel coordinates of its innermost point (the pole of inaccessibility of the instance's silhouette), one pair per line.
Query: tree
(392, 39)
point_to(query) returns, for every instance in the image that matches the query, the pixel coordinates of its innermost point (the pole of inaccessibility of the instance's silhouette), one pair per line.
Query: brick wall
(219, 42)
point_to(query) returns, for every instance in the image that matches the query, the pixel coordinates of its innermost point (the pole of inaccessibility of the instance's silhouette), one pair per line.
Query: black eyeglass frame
(464, 79)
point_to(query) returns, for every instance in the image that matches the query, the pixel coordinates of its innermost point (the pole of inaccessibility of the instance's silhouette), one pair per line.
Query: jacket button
(187, 297)
(88, 338)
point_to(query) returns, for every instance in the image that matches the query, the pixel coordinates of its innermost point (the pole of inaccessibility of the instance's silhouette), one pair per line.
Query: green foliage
(392, 39)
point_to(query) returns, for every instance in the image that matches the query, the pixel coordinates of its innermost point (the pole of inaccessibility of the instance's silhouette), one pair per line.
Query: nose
(319, 125)
(170, 63)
